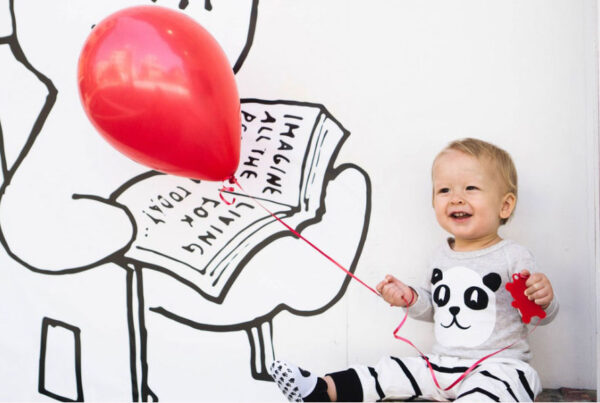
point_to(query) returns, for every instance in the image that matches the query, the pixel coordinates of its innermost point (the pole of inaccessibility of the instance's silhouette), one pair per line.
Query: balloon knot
(226, 189)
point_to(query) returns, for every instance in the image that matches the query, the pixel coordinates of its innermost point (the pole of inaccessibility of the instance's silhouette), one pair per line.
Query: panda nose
(454, 310)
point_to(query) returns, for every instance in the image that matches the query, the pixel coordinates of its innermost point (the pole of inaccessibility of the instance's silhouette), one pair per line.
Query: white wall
(404, 78)
(597, 197)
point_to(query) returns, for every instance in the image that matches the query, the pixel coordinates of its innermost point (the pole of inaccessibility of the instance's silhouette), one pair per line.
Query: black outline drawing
(251, 29)
(259, 330)
(46, 324)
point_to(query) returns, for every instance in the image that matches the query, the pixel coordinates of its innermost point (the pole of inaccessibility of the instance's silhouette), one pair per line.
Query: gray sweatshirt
(466, 299)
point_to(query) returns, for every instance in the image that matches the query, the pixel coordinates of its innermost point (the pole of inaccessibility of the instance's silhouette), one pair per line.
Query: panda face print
(465, 306)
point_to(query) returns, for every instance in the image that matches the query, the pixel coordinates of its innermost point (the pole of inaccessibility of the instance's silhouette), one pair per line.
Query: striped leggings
(496, 379)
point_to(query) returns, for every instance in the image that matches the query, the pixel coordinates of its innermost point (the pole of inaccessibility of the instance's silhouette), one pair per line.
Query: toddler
(474, 193)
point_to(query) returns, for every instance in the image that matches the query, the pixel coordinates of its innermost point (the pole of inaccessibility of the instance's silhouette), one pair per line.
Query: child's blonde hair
(497, 156)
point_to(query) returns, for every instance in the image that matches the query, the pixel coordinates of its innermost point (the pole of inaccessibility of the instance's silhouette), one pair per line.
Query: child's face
(469, 199)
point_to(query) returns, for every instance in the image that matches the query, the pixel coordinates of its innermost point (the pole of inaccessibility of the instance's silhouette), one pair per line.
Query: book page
(186, 230)
(275, 142)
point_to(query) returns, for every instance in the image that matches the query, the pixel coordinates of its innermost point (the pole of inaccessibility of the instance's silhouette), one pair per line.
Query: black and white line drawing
(71, 205)
(77, 389)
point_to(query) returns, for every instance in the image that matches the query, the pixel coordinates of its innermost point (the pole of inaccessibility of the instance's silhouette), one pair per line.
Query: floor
(567, 395)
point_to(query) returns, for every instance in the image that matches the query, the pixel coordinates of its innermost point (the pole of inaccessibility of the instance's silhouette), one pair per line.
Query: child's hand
(539, 289)
(395, 292)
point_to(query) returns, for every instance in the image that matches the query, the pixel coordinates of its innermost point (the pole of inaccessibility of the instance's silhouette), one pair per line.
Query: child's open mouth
(460, 215)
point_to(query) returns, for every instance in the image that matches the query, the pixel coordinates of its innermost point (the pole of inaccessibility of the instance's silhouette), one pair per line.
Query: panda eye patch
(476, 298)
(441, 295)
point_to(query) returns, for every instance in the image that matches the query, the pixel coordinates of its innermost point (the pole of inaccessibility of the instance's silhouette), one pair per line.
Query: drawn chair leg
(138, 336)
(260, 337)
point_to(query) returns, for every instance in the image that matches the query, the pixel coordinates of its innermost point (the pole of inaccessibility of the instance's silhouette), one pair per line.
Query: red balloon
(161, 90)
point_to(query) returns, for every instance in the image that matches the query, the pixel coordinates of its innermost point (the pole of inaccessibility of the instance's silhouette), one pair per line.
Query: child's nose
(457, 199)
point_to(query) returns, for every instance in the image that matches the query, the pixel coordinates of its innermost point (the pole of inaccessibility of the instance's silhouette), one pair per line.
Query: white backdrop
(401, 79)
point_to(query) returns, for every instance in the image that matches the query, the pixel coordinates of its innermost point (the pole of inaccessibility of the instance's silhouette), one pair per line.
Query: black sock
(319, 393)
(347, 385)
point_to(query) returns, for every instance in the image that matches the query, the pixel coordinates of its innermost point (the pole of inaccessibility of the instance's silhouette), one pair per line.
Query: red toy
(527, 308)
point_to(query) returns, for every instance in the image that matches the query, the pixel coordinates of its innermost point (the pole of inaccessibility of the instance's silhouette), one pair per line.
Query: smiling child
(474, 193)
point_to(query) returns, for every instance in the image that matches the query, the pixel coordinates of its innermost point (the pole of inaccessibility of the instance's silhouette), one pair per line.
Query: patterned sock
(297, 384)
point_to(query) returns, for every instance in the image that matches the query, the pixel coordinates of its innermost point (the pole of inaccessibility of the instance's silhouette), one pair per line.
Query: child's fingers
(393, 294)
(402, 298)
(534, 278)
(541, 293)
(533, 288)
(386, 291)
(397, 298)
(386, 280)
(536, 282)
(542, 297)
(539, 289)
(544, 300)
(393, 291)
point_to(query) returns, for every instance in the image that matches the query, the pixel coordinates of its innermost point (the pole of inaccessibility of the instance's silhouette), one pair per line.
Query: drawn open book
(186, 230)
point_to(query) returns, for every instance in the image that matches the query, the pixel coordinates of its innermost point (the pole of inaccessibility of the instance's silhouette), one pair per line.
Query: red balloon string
(226, 189)
(233, 180)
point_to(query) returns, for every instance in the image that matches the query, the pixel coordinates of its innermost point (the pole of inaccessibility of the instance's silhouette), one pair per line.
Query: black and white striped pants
(496, 379)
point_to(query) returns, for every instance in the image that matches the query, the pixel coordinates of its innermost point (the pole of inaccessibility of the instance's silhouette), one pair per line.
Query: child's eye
(443, 190)
(472, 188)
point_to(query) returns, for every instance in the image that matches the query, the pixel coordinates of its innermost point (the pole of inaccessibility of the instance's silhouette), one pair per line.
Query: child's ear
(509, 201)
